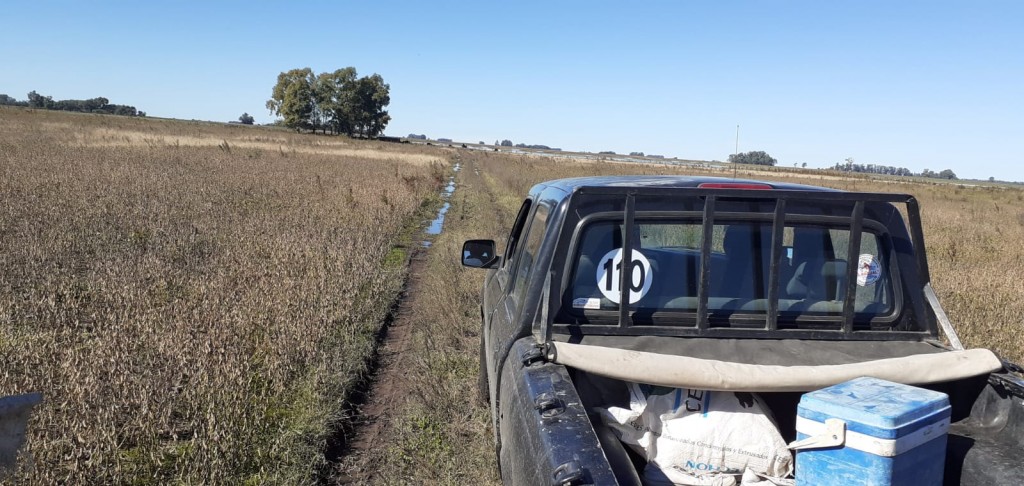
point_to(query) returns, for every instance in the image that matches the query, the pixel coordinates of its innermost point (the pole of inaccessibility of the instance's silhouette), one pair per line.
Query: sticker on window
(586, 303)
(868, 271)
(608, 279)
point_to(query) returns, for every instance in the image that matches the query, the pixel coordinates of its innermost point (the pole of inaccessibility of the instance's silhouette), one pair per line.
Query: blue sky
(920, 85)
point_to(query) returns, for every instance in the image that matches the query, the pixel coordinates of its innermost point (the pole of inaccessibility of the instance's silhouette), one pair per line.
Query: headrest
(810, 276)
(834, 269)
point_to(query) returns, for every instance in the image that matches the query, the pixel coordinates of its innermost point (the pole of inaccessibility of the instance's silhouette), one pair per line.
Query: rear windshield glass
(666, 270)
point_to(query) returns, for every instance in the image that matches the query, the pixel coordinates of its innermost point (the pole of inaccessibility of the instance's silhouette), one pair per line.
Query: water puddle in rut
(435, 226)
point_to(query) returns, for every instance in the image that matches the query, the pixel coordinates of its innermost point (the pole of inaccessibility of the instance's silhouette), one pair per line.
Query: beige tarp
(706, 374)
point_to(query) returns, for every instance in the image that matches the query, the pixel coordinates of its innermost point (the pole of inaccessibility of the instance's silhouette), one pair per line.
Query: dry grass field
(196, 300)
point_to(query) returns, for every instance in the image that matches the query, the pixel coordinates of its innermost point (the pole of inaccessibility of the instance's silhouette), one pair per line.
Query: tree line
(762, 158)
(536, 146)
(850, 166)
(92, 105)
(943, 174)
(339, 102)
(757, 157)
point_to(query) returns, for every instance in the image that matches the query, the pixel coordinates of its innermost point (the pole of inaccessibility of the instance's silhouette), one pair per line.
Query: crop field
(196, 301)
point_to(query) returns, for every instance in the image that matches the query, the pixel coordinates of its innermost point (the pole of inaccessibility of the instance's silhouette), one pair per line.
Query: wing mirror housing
(479, 254)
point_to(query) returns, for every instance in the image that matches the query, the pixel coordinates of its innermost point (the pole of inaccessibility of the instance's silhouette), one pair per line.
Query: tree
(9, 100)
(335, 92)
(371, 96)
(36, 100)
(246, 119)
(804, 166)
(753, 158)
(297, 106)
(947, 174)
(338, 101)
(100, 103)
(292, 98)
(506, 143)
(124, 110)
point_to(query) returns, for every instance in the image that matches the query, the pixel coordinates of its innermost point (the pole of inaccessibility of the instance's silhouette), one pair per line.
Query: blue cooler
(872, 432)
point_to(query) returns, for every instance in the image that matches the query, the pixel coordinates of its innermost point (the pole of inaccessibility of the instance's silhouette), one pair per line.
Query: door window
(528, 256)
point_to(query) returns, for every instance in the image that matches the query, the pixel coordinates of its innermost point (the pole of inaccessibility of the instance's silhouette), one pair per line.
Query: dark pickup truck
(740, 286)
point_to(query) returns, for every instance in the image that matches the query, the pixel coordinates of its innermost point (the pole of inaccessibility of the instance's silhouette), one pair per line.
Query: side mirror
(479, 254)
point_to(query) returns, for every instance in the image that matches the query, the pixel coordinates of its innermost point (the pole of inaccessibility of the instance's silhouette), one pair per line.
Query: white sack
(699, 437)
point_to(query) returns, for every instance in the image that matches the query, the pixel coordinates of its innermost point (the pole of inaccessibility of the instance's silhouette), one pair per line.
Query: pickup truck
(731, 285)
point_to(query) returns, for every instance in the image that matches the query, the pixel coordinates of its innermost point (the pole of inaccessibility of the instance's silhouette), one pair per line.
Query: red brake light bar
(735, 185)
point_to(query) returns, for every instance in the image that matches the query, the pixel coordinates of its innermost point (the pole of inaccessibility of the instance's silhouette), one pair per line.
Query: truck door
(495, 294)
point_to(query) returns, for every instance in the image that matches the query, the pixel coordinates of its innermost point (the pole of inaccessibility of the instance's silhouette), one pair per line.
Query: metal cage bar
(748, 194)
(626, 264)
(778, 228)
(768, 328)
(707, 234)
(917, 239)
(833, 333)
(852, 262)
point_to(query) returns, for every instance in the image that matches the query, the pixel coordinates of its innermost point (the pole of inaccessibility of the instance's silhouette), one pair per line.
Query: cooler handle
(833, 435)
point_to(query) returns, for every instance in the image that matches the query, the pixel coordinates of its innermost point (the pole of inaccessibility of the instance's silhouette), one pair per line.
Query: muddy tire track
(385, 395)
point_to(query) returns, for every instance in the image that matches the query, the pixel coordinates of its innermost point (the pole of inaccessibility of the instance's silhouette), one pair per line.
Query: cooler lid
(876, 407)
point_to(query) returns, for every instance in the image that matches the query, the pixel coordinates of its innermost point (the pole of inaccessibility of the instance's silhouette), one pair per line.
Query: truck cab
(724, 284)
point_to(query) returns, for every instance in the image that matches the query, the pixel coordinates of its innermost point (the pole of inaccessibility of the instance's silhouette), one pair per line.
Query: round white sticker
(608, 276)
(868, 271)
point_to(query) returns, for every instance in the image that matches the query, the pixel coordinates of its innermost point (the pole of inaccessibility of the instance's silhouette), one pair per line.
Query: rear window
(667, 264)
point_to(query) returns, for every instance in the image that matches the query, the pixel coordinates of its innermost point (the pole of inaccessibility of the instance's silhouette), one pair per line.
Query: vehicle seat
(811, 247)
(598, 240)
(585, 284)
(743, 276)
(818, 280)
(820, 284)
